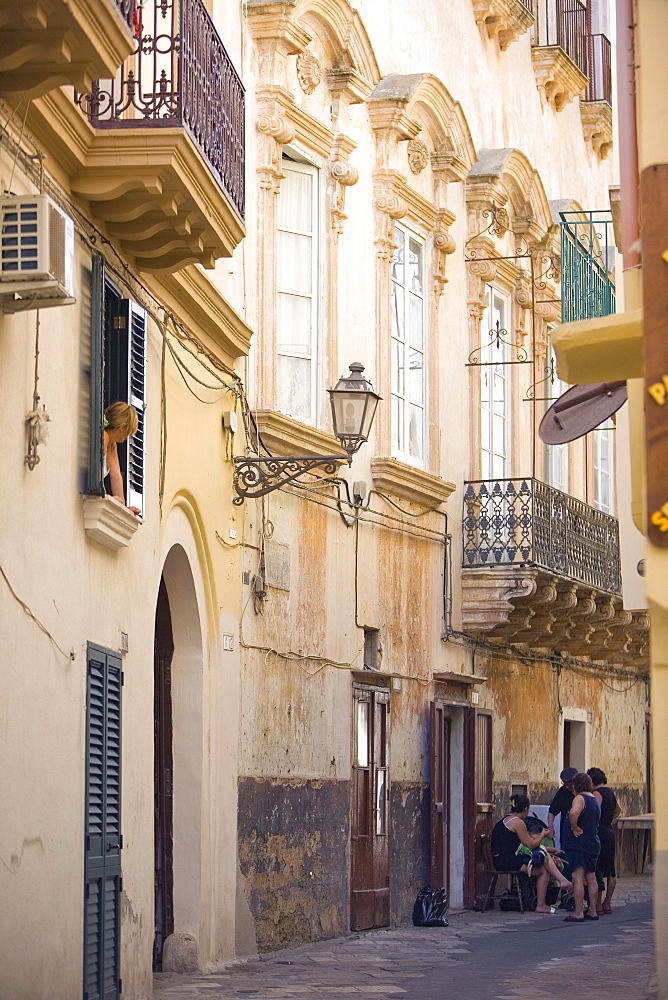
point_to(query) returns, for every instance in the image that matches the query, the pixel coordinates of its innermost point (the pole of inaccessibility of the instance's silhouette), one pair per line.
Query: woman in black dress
(606, 834)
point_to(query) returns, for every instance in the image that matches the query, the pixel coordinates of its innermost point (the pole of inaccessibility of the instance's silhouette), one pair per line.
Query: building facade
(248, 719)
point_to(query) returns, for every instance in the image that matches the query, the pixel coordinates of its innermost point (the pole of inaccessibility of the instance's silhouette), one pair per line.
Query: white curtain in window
(407, 348)
(296, 280)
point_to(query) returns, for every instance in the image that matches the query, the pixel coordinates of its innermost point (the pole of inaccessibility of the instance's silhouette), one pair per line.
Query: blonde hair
(121, 417)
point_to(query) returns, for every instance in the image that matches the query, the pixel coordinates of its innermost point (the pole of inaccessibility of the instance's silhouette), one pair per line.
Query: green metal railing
(587, 249)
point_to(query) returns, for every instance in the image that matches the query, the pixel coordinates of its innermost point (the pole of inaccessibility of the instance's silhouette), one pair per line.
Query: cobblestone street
(491, 956)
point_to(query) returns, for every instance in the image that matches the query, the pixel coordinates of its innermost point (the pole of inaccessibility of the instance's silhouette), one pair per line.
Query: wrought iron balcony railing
(565, 23)
(599, 57)
(180, 75)
(587, 247)
(525, 522)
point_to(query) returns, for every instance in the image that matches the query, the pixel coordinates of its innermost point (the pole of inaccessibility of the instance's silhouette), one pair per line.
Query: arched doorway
(178, 749)
(163, 783)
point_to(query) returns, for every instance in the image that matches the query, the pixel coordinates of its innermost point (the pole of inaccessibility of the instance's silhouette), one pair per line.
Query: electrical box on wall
(36, 254)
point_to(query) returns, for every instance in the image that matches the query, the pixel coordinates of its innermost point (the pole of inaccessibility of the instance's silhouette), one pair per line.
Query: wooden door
(439, 867)
(163, 651)
(370, 857)
(478, 800)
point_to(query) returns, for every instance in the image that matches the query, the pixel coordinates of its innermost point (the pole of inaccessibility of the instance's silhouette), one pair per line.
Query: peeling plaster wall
(293, 838)
(530, 701)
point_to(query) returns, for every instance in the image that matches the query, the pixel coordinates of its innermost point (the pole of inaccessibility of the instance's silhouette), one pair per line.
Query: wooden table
(640, 828)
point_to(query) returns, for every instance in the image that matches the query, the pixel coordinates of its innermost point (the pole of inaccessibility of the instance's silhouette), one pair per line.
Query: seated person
(507, 837)
(120, 423)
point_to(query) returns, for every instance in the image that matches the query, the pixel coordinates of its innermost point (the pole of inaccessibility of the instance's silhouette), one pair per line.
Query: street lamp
(354, 405)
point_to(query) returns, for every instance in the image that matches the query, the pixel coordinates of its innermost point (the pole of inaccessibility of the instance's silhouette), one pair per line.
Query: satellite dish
(580, 409)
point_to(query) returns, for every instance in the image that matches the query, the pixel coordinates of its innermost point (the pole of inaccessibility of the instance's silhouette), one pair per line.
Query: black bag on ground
(510, 901)
(430, 908)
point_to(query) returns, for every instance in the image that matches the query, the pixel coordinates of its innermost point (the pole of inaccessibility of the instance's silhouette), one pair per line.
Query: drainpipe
(628, 135)
(630, 249)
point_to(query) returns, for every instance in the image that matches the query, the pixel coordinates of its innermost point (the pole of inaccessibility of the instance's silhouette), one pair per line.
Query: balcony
(569, 60)
(48, 45)
(559, 52)
(587, 254)
(542, 569)
(158, 151)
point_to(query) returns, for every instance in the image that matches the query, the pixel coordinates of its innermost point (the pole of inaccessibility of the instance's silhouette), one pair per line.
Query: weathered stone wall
(409, 846)
(293, 856)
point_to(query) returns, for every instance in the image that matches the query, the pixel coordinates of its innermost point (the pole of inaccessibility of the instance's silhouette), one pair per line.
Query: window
(603, 466)
(556, 455)
(118, 359)
(494, 388)
(408, 348)
(297, 284)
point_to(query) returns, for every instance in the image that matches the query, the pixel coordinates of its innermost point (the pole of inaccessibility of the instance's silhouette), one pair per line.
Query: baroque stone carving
(309, 71)
(545, 611)
(557, 75)
(444, 244)
(343, 175)
(418, 155)
(503, 19)
(597, 125)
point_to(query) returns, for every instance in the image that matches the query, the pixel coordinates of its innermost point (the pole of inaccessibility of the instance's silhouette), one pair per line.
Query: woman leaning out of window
(120, 423)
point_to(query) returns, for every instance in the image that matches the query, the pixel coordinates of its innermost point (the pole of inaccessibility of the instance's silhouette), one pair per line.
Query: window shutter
(137, 397)
(102, 825)
(125, 379)
(95, 482)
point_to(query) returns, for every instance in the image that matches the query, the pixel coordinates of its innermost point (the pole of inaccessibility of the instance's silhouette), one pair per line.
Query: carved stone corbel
(275, 130)
(503, 19)
(389, 206)
(523, 299)
(444, 244)
(597, 125)
(342, 174)
(481, 269)
(557, 76)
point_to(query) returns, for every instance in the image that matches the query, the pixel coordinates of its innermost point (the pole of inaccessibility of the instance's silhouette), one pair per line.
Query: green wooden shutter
(103, 841)
(137, 397)
(95, 482)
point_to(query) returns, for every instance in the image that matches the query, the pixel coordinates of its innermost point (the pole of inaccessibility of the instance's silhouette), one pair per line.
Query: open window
(118, 373)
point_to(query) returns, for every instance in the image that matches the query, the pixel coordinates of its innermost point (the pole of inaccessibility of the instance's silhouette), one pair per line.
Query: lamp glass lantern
(354, 405)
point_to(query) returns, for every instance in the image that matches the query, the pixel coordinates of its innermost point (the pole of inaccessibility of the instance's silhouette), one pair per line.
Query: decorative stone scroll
(444, 245)
(342, 174)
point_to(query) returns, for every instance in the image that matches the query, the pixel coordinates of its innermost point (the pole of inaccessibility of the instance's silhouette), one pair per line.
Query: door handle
(112, 847)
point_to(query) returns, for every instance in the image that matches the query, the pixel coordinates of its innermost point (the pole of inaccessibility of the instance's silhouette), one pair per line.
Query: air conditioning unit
(36, 254)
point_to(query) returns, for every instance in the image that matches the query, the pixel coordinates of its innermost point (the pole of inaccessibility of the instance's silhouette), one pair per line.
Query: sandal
(570, 919)
(587, 916)
(604, 912)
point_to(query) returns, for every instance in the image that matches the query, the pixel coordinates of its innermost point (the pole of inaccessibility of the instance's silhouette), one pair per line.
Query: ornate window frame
(510, 228)
(290, 78)
(423, 143)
